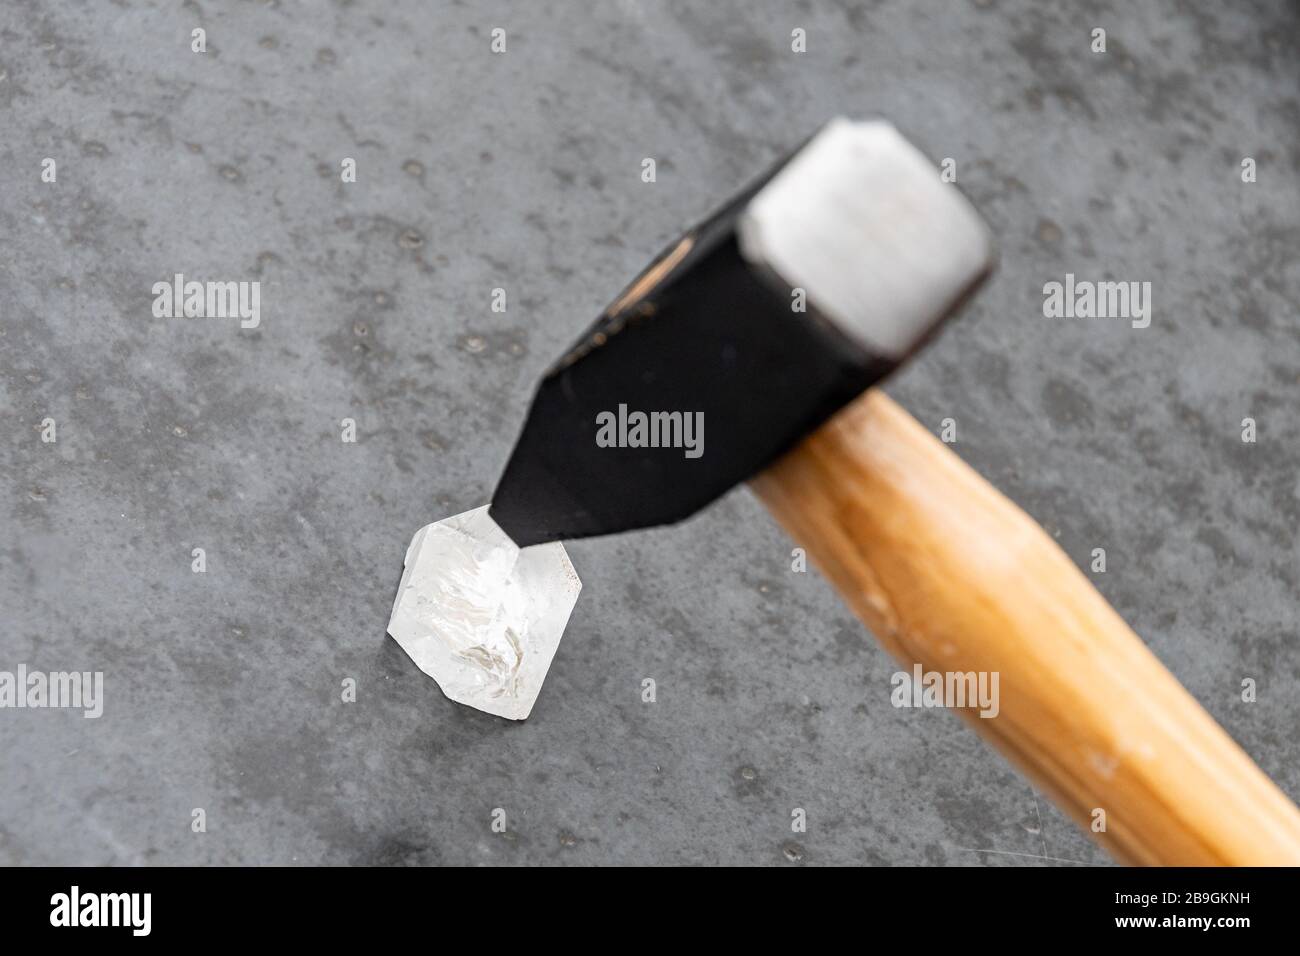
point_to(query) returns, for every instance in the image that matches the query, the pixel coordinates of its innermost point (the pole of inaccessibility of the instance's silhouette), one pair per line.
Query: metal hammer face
(743, 336)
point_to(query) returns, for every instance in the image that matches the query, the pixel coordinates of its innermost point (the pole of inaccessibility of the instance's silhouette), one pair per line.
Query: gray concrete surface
(522, 171)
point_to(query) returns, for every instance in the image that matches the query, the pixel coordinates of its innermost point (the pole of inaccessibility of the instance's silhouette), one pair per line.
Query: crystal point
(480, 616)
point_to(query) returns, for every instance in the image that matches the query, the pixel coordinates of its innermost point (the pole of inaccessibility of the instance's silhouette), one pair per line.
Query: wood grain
(949, 573)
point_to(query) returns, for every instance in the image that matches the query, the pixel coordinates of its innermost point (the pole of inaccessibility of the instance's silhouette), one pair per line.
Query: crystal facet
(480, 616)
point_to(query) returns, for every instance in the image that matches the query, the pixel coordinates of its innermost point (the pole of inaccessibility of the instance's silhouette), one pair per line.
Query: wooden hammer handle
(950, 574)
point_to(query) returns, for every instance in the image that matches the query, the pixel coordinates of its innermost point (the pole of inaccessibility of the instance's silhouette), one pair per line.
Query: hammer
(770, 323)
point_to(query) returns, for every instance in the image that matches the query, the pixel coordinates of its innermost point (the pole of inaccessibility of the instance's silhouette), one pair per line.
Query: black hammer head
(743, 336)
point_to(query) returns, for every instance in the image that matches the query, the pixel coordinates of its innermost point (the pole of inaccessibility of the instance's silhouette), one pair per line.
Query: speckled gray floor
(521, 171)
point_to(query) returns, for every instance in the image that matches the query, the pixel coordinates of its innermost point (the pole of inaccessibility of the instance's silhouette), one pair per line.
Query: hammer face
(710, 336)
(861, 219)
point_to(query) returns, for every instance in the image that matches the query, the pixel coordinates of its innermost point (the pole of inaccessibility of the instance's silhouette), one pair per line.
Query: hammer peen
(771, 322)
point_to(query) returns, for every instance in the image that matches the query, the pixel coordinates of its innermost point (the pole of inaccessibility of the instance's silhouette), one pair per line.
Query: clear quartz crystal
(480, 616)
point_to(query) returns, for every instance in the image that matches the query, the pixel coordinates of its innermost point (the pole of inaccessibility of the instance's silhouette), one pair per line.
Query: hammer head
(814, 283)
